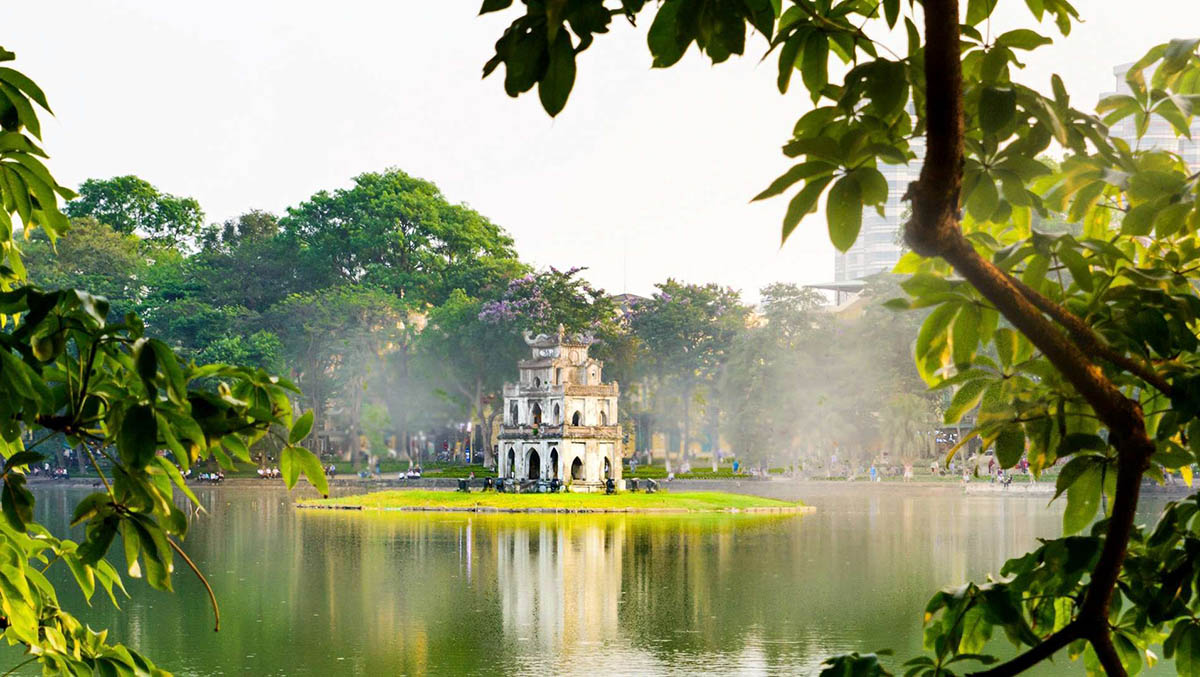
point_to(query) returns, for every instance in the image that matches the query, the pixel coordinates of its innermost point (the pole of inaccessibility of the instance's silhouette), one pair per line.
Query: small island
(624, 502)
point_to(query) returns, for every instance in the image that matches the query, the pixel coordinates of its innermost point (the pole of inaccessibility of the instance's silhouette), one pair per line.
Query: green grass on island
(418, 499)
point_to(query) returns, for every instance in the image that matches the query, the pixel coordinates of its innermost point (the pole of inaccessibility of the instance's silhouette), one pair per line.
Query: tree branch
(212, 598)
(1089, 341)
(1047, 648)
(1107, 653)
(934, 230)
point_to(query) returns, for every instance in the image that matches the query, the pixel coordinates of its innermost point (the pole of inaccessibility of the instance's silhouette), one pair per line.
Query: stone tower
(560, 419)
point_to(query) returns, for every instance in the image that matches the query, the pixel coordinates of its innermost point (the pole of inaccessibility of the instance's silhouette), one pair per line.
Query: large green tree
(400, 234)
(686, 332)
(471, 358)
(1096, 363)
(129, 204)
(337, 341)
(95, 257)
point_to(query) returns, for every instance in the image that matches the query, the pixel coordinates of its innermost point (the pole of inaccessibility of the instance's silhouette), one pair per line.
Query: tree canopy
(128, 204)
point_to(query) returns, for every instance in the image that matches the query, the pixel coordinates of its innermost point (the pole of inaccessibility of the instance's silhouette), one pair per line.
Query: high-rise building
(879, 245)
(1159, 133)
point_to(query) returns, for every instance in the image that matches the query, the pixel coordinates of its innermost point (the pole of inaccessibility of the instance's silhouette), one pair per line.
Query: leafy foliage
(128, 205)
(124, 399)
(1076, 344)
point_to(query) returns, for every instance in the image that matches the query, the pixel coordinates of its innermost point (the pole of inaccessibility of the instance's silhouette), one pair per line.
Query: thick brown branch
(1035, 655)
(1090, 342)
(934, 230)
(1107, 653)
(1122, 415)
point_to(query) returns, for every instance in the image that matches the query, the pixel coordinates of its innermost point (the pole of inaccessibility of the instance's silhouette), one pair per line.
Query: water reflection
(369, 593)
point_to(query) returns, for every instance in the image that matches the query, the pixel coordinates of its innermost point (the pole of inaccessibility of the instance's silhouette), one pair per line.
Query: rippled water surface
(331, 593)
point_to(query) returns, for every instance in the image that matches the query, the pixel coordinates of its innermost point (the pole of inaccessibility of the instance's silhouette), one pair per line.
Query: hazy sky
(646, 174)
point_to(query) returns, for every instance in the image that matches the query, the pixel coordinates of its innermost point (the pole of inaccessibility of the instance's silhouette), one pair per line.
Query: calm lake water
(332, 593)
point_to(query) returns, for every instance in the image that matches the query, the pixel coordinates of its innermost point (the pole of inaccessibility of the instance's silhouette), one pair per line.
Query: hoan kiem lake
(335, 592)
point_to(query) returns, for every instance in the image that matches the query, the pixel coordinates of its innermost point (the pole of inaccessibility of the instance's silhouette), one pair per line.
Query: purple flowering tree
(540, 301)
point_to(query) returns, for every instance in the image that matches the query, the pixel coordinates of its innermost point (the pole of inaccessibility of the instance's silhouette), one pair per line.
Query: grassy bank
(417, 499)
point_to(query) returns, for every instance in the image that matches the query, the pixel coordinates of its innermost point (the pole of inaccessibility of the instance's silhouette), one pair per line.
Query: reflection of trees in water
(451, 593)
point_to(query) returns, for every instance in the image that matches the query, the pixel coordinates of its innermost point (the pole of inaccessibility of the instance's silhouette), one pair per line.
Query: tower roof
(559, 339)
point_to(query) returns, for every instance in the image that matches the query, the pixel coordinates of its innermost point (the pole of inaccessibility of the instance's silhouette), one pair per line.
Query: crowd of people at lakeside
(210, 477)
(979, 466)
(45, 470)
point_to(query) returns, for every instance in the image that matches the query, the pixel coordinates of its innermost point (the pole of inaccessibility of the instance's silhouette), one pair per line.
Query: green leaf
(99, 536)
(237, 447)
(23, 83)
(1187, 649)
(1083, 498)
(978, 10)
(1006, 345)
(17, 501)
(1139, 220)
(664, 39)
(873, 185)
(25, 112)
(843, 211)
(1081, 272)
(289, 466)
(965, 336)
(887, 85)
(933, 329)
(1010, 446)
(891, 12)
(22, 458)
(814, 64)
(1178, 53)
(1022, 38)
(147, 365)
(1170, 219)
(1150, 327)
(984, 197)
(494, 5)
(138, 438)
(176, 382)
(84, 575)
(965, 399)
(311, 465)
(301, 428)
(804, 203)
(555, 87)
(787, 63)
(997, 108)
(801, 171)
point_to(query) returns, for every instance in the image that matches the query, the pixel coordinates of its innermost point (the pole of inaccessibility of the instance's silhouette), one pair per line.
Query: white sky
(646, 174)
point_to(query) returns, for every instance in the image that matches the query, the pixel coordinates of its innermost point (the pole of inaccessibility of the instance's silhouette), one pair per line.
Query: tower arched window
(513, 414)
(536, 414)
(603, 417)
(577, 418)
(557, 415)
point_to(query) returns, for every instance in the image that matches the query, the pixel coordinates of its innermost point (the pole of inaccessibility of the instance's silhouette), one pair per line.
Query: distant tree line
(398, 312)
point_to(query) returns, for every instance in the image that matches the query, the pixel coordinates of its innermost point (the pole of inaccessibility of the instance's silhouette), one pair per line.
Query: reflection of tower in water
(560, 582)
